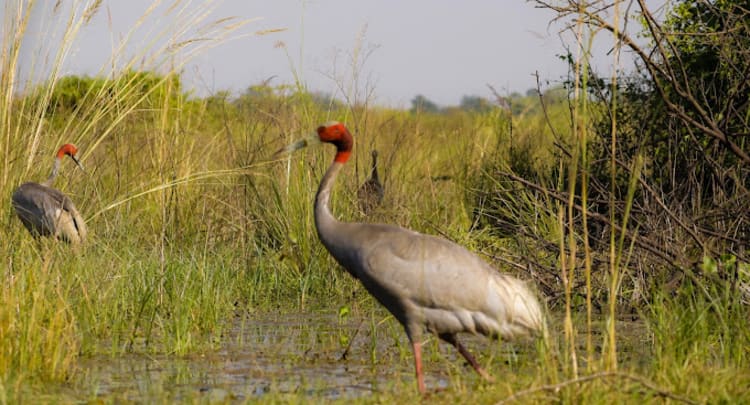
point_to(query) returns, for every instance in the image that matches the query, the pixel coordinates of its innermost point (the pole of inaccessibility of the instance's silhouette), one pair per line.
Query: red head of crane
(46, 211)
(426, 282)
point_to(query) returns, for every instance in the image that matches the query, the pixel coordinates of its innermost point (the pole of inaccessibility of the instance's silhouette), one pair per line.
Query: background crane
(371, 192)
(46, 211)
(426, 282)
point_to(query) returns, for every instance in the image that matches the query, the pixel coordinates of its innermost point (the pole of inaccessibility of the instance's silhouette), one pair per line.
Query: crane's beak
(80, 166)
(309, 140)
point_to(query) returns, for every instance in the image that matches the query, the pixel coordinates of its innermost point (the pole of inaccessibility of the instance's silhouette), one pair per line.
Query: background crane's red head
(70, 150)
(336, 133)
(67, 149)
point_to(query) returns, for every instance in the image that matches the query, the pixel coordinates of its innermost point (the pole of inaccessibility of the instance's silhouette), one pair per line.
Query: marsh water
(314, 355)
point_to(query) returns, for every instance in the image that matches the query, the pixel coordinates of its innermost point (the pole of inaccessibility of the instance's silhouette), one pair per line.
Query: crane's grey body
(46, 211)
(431, 283)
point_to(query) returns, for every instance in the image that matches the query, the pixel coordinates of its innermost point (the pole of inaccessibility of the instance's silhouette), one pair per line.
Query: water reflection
(298, 354)
(309, 356)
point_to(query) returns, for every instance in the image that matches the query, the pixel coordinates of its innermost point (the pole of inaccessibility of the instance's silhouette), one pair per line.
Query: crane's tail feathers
(69, 229)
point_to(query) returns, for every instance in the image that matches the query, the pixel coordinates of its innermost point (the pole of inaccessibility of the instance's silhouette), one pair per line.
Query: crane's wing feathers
(427, 270)
(30, 213)
(46, 211)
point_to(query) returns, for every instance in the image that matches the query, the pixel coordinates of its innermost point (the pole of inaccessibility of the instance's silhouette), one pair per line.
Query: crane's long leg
(453, 340)
(418, 365)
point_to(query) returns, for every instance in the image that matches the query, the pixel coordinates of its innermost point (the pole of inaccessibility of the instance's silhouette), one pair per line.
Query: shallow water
(312, 355)
(297, 354)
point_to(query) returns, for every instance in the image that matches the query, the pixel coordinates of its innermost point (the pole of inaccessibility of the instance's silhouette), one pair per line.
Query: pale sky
(443, 49)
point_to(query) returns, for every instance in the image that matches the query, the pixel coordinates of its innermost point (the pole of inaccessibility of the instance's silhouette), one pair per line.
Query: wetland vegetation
(624, 200)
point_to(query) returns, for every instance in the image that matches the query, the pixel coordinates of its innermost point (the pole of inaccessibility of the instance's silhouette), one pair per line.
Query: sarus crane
(46, 211)
(426, 282)
(371, 192)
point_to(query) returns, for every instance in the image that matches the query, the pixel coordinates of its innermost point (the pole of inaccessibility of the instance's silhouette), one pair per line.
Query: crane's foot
(417, 347)
(453, 340)
(485, 374)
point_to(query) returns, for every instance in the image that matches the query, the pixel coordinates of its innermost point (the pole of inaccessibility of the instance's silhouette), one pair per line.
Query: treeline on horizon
(71, 91)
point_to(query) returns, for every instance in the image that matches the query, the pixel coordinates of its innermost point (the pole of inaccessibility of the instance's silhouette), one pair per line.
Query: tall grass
(190, 221)
(129, 284)
(545, 212)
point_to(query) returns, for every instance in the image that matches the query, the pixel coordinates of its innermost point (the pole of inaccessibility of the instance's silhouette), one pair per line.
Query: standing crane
(371, 192)
(46, 211)
(426, 282)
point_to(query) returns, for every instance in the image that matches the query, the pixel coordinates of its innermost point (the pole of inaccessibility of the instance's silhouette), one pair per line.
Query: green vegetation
(196, 229)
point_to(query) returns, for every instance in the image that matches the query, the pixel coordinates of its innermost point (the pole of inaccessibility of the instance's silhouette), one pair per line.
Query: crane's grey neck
(374, 172)
(325, 222)
(53, 175)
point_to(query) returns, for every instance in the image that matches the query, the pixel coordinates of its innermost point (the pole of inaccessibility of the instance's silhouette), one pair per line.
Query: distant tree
(258, 91)
(325, 100)
(255, 96)
(75, 93)
(70, 92)
(557, 94)
(532, 92)
(219, 99)
(475, 103)
(421, 103)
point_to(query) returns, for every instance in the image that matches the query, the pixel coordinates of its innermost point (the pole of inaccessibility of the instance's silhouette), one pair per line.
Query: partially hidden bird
(426, 282)
(370, 194)
(46, 211)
